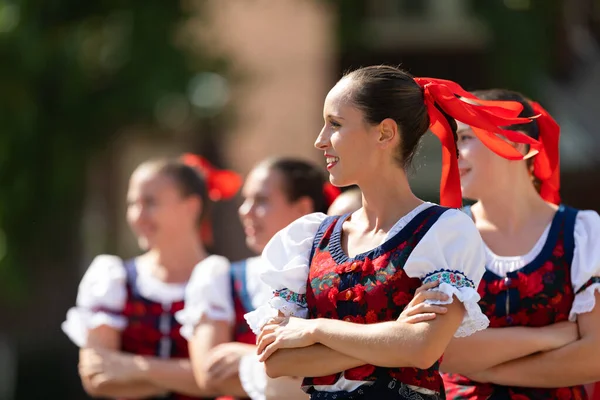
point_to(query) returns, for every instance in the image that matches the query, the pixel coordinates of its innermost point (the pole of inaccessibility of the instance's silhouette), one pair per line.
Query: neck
(174, 264)
(512, 206)
(386, 199)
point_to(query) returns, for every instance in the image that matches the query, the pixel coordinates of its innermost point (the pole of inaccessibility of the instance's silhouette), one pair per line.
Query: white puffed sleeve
(452, 252)
(100, 299)
(585, 268)
(253, 376)
(207, 295)
(285, 270)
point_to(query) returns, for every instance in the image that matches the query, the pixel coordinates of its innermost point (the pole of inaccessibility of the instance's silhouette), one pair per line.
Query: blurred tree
(524, 42)
(72, 73)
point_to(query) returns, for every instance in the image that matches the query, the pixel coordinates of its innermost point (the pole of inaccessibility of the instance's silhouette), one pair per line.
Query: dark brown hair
(187, 179)
(300, 179)
(382, 92)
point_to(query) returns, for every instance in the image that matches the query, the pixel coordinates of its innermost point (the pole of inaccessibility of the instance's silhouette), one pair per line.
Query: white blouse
(585, 264)
(208, 293)
(102, 294)
(451, 251)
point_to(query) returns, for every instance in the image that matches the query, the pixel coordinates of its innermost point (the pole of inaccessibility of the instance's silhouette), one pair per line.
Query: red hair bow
(221, 184)
(546, 166)
(488, 116)
(331, 193)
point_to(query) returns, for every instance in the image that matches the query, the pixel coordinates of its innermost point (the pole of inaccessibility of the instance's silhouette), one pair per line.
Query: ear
(387, 132)
(304, 205)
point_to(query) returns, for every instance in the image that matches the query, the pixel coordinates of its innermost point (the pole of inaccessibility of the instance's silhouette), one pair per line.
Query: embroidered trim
(453, 278)
(291, 297)
(590, 282)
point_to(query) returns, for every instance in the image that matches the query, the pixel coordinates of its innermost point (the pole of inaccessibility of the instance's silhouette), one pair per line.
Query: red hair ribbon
(331, 193)
(488, 116)
(221, 184)
(546, 165)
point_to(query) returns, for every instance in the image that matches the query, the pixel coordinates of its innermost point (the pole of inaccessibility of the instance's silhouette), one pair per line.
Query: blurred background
(89, 89)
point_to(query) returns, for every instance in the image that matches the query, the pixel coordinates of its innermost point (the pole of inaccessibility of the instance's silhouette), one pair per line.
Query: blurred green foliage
(72, 73)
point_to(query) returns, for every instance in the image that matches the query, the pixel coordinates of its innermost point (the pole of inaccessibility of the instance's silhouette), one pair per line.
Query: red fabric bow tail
(488, 116)
(221, 184)
(546, 166)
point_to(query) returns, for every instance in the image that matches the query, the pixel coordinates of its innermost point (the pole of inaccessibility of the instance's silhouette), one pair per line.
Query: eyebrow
(334, 116)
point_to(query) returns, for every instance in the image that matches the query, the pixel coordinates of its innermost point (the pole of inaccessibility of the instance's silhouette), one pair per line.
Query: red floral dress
(539, 294)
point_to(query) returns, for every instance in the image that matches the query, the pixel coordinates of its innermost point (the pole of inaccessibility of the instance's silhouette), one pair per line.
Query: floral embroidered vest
(242, 303)
(152, 329)
(538, 294)
(371, 287)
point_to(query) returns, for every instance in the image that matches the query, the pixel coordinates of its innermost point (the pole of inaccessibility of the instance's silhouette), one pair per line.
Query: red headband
(222, 184)
(488, 116)
(331, 193)
(546, 165)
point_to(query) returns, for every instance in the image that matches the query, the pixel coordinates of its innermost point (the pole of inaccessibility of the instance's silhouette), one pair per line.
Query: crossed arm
(105, 371)
(417, 339)
(575, 363)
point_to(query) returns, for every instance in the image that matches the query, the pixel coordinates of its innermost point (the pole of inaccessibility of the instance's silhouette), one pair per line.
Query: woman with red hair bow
(333, 275)
(123, 320)
(541, 286)
(222, 347)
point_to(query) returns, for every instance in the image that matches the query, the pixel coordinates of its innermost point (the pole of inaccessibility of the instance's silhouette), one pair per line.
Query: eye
(464, 137)
(334, 124)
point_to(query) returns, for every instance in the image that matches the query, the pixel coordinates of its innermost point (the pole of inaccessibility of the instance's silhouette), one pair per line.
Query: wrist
(141, 367)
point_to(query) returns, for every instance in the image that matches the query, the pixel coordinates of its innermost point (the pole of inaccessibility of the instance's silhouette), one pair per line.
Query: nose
(245, 208)
(322, 141)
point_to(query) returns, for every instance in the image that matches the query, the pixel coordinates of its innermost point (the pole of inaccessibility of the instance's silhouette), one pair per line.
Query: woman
(542, 271)
(365, 267)
(276, 192)
(124, 318)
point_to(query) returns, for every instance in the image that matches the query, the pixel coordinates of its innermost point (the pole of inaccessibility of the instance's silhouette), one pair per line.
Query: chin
(253, 245)
(144, 243)
(339, 181)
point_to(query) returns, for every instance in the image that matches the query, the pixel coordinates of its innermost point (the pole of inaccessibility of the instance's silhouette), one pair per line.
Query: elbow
(425, 357)
(424, 362)
(273, 370)
(92, 390)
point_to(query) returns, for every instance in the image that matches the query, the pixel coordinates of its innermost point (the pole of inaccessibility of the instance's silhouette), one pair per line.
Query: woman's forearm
(134, 389)
(491, 347)
(394, 343)
(309, 361)
(176, 375)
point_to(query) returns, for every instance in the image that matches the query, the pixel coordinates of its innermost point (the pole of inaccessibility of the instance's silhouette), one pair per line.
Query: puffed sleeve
(585, 268)
(100, 299)
(285, 269)
(452, 252)
(253, 376)
(207, 295)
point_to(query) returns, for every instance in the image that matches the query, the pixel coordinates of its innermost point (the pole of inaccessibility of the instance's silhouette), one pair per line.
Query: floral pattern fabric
(369, 288)
(539, 294)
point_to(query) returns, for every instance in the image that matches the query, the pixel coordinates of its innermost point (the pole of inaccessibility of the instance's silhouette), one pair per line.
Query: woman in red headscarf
(276, 192)
(123, 320)
(333, 275)
(541, 286)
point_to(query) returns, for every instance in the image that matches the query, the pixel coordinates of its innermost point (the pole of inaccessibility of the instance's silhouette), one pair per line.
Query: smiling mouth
(331, 161)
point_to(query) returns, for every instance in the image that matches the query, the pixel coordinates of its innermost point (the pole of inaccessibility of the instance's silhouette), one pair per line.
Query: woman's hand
(418, 310)
(285, 332)
(223, 361)
(102, 365)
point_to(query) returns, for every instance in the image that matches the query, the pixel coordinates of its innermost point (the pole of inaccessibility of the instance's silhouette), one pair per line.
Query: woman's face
(157, 212)
(266, 208)
(347, 140)
(482, 172)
